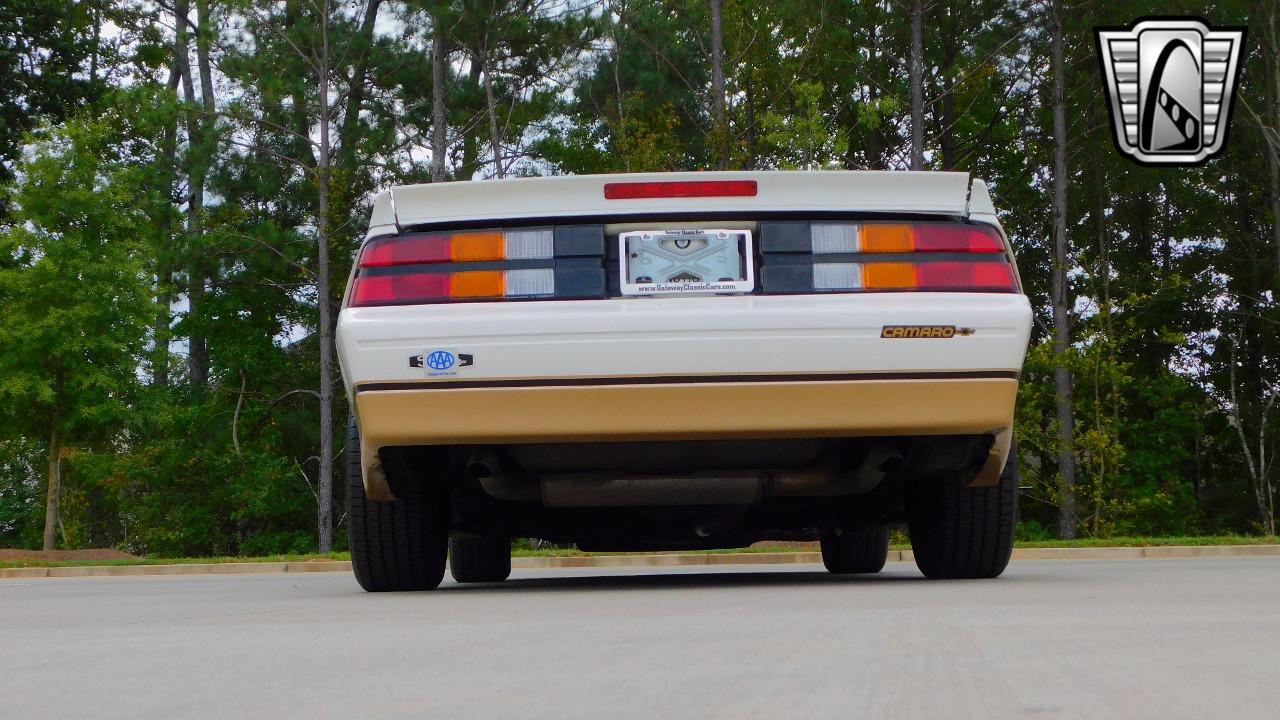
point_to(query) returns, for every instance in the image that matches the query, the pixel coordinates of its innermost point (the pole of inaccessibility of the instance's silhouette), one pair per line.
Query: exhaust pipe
(621, 490)
(829, 479)
(616, 490)
(642, 490)
(498, 481)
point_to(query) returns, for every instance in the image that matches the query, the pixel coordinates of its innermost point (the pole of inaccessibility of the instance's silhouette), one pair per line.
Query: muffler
(499, 481)
(642, 490)
(828, 478)
(626, 490)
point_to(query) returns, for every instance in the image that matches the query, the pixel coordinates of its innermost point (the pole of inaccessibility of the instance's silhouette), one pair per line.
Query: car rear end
(683, 360)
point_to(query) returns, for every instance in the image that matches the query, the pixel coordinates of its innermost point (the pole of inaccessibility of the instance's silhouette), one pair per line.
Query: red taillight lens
(683, 189)
(404, 287)
(957, 238)
(981, 276)
(408, 250)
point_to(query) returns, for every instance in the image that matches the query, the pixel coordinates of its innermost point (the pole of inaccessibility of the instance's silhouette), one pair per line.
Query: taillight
(459, 247)
(521, 263)
(900, 238)
(802, 257)
(443, 286)
(938, 276)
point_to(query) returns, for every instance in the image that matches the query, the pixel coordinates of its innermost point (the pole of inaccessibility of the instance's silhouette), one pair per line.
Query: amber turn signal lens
(885, 238)
(888, 276)
(471, 247)
(477, 283)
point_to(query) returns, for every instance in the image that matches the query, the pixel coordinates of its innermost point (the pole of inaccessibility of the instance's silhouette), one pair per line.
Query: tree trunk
(1271, 101)
(53, 500)
(205, 30)
(302, 146)
(199, 342)
(753, 141)
(470, 145)
(620, 135)
(949, 31)
(95, 45)
(198, 357)
(160, 331)
(721, 131)
(873, 145)
(491, 109)
(917, 85)
(1259, 479)
(324, 504)
(947, 131)
(356, 87)
(1101, 193)
(438, 117)
(1061, 309)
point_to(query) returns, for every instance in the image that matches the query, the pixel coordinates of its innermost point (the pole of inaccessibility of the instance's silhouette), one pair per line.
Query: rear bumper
(682, 368)
(661, 410)
(956, 405)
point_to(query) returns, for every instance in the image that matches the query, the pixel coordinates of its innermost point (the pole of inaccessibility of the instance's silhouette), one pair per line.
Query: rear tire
(397, 545)
(963, 532)
(856, 551)
(475, 559)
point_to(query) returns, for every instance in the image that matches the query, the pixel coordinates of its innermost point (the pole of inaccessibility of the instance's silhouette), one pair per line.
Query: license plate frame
(686, 262)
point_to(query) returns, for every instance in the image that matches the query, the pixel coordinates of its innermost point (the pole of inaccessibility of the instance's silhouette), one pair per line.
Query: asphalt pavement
(1187, 638)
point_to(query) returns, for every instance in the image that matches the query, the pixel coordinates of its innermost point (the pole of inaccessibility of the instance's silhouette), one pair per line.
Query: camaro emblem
(1170, 83)
(902, 332)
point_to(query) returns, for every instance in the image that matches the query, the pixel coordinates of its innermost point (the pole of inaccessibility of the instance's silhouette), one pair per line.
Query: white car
(682, 361)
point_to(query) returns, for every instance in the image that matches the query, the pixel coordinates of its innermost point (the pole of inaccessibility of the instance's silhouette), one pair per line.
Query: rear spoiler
(582, 196)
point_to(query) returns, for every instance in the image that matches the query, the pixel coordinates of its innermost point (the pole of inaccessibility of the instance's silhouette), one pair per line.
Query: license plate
(686, 262)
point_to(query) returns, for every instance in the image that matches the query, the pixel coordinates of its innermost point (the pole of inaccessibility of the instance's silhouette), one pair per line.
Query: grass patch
(759, 548)
(1154, 541)
(177, 561)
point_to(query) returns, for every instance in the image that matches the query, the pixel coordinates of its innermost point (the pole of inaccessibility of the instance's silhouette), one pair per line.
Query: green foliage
(1173, 273)
(21, 500)
(810, 140)
(75, 294)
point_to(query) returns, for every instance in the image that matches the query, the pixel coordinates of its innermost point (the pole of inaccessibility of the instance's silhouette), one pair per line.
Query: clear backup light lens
(837, 276)
(529, 244)
(831, 238)
(530, 283)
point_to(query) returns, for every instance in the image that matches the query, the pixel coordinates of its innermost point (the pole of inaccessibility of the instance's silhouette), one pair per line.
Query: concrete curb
(231, 568)
(660, 560)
